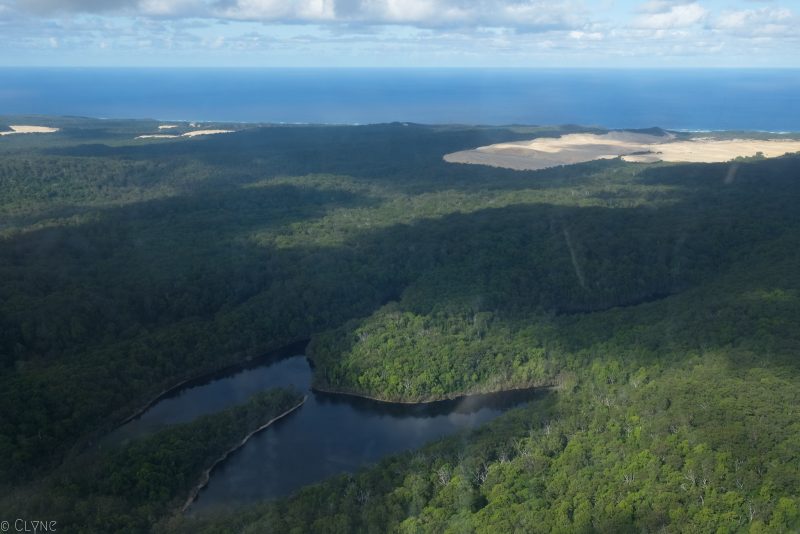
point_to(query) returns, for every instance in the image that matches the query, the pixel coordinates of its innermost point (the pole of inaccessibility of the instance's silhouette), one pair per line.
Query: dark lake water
(329, 434)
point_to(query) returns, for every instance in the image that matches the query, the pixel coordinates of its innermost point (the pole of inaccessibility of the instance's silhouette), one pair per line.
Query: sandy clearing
(167, 126)
(717, 150)
(612, 141)
(206, 132)
(187, 134)
(543, 153)
(27, 129)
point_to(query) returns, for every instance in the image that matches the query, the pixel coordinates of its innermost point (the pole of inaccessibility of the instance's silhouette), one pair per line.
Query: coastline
(206, 476)
(759, 94)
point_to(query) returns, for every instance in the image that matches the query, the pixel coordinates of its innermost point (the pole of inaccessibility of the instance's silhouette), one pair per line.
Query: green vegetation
(126, 489)
(134, 284)
(474, 322)
(678, 415)
(661, 301)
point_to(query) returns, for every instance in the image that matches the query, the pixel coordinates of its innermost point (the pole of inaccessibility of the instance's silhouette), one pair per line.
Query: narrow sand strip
(205, 132)
(194, 133)
(25, 129)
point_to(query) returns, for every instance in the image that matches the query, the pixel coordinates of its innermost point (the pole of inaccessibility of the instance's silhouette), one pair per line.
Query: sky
(401, 33)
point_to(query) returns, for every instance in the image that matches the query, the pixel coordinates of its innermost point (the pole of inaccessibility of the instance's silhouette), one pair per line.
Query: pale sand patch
(187, 134)
(206, 132)
(167, 126)
(26, 129)
(543, 153)
(718, 150)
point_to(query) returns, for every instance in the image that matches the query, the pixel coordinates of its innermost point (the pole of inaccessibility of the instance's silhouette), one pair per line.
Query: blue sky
(401, 33)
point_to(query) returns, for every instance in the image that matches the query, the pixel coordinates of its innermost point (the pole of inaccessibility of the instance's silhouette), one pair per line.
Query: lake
(329, 434)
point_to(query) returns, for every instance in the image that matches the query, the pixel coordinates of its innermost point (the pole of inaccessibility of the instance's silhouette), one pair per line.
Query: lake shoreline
(434, 401)
(300, 346)
(206, 476)
(212, 375)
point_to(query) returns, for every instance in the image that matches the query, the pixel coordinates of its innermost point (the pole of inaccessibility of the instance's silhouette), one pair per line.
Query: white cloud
(524, 14)
(271, 10)
(586, 36)
(665, 15)
(49, 7)
(765, 21)
(404, 32)
(170, 8)
(660, 6)
(399, 11)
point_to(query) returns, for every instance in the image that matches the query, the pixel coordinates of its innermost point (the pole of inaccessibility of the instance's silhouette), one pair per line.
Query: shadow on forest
(517, 258)
(408, 157)
(113, 310)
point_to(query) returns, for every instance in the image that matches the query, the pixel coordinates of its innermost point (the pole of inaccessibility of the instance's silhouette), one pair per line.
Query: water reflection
(328, 435)
(217, 392)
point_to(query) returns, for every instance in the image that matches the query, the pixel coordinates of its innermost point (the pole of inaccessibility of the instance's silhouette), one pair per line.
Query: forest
(658, 302)
(126, 488)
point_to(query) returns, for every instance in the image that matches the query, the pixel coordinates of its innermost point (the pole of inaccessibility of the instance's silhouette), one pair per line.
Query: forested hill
(661, 301)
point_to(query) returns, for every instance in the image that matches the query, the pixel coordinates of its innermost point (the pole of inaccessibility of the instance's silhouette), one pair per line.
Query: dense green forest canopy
(660, 301)
(126, 488)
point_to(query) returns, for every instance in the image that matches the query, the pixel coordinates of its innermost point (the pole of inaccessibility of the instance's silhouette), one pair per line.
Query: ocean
(747, 99)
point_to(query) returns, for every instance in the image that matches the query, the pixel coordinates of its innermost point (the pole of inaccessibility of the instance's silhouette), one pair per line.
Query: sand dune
(167, 126)
(543, 153)
(717, 150)
(205, 132)
(187, 134)
(26, 129)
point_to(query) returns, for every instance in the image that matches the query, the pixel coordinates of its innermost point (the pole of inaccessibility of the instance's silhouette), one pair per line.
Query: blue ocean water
(678, 99)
